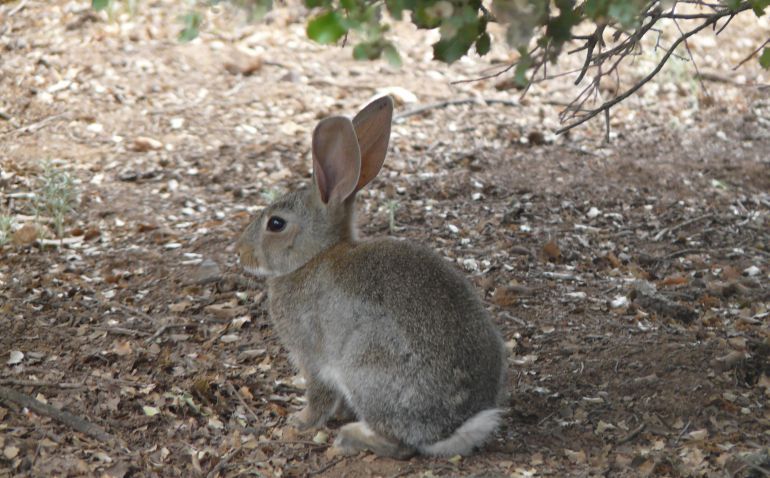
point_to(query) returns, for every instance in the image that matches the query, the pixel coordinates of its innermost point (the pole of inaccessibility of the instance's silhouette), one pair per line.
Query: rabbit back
(397, 331)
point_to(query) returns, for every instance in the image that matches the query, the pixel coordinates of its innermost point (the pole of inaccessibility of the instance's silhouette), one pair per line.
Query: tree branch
(609, 104)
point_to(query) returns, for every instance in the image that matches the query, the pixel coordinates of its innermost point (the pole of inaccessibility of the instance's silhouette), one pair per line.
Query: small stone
(143, 144)
(752, 271)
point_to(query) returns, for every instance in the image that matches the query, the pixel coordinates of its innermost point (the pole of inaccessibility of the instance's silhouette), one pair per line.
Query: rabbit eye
(276, 224)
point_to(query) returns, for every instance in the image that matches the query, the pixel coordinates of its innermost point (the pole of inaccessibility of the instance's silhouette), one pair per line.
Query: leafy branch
(542, 31)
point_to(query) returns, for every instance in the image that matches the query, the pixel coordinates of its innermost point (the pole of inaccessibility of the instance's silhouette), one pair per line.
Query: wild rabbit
(384, 329)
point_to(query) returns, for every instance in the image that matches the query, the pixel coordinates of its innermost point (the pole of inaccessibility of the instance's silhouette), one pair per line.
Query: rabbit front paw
(305, 419)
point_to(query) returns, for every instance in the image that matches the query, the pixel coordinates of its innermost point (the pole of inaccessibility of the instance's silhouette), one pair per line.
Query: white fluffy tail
(472, 433)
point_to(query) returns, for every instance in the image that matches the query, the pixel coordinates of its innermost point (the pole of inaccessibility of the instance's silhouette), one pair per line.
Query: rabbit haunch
(383, 330)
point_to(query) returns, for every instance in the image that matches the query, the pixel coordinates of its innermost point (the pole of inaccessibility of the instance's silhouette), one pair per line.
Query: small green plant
(56, 196)
(392, 207)
(5, 229)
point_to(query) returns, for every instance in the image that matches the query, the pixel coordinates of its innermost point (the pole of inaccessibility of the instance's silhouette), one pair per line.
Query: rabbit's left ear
(336, 159)
(372, 125)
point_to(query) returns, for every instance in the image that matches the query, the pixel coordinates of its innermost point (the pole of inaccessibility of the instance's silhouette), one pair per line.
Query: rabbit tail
(472, 433)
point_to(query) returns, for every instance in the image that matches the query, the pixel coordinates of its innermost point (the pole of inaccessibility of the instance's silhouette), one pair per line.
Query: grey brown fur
(384, 330)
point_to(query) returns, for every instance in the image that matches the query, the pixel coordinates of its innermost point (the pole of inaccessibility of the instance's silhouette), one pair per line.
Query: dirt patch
(630, 279)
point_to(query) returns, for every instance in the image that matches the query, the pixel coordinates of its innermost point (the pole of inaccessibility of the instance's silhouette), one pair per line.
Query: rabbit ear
(336, 159)
(372, 126)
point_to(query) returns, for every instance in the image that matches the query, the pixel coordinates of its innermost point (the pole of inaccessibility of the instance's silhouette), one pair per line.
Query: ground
(629, 278)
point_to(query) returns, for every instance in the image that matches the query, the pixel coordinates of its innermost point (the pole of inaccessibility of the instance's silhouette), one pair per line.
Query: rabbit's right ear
(373, 131)
(336, 159)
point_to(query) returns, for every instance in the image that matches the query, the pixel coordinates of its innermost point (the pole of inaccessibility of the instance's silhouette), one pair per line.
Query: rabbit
(384, 330)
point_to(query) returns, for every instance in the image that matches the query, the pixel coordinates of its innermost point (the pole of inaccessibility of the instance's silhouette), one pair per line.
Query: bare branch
(751, 55)
(670, 51)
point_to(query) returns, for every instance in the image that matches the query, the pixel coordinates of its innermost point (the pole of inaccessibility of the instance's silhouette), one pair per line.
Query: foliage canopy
(538, 29)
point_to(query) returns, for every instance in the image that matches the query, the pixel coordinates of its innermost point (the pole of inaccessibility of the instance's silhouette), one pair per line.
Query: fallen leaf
(16, 356)
(576, 457)
(613, 260)
(505, 296)
(602, 427)
(26, 235)
(730, 273)
(243, 64)
(673, 280)
(150, 411)
(619, 301)
(551, 250)
(143, 144)
(122, 348)
(697, 435)
(180, 307)
(229, 338)
(764, 382)
(11, 452)
(321, 437)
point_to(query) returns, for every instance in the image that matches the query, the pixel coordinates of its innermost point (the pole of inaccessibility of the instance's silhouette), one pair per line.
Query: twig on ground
(165, 328)
(294, 442)
(681, 253)
(327, 466)
(646, 297)
(32, 127)
(39, 383)
(233, 391)
(124, 331)
(752, 466)
(403, 472)
(132, 310)
(668, 230)
(65, 418)
(223, 461)
(633, 434)
(545, 419)
(18, 8)
(444, 104)
(681, 434)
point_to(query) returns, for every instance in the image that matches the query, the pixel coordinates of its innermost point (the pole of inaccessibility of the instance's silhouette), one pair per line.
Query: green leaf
(733, 4)
(483, 44)
(764, 59)
(759, 6)
(595, 9)
(192, 22)
(624, 12)
(391, 55)
(315, 3)
(326, 28)
(520, 75)
(457, 36)
(99, 4)
(423, 18)
(367, 51)
(395, 7)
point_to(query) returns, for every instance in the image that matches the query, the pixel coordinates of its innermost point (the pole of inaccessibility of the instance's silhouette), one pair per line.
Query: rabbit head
(347, 155)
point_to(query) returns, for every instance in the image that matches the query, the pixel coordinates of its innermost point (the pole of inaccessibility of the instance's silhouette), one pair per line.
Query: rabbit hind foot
(357, 436)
